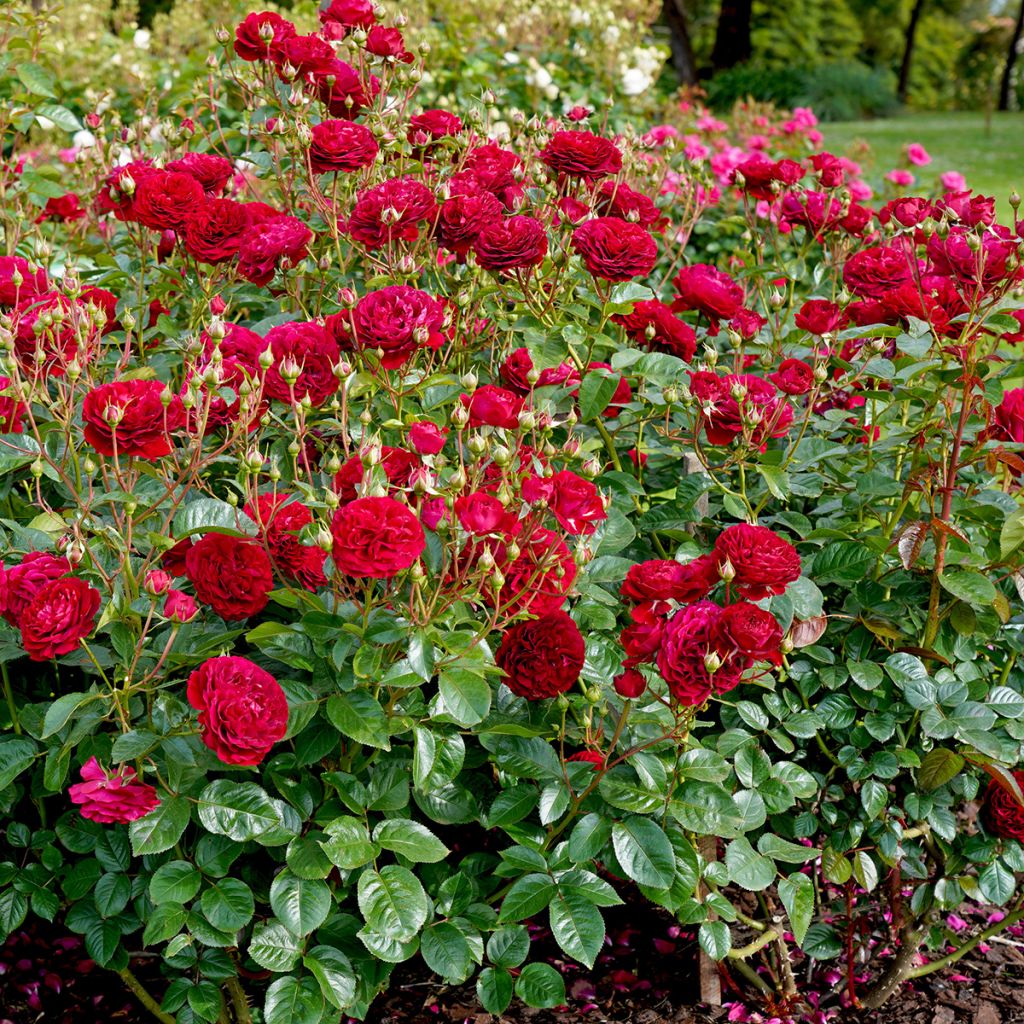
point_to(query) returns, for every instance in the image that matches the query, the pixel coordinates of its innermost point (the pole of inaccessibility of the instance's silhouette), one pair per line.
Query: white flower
(511, 57)
(635, 81)
(83, 139)
(141, 38)
(539, 78)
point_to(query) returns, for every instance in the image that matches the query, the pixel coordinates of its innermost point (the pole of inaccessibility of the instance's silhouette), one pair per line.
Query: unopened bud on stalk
(274, 474)
(590, 468)
(712, 661)
(223, 35)
(486, 560)
(527, 420)
(477, 444)
(266, 359)
(37, 468)
(504, 494)
(458, 479)
(460, 416)
(1015, 199)
(821, 373)
(726, 571)
(366, 417)
(670, 394)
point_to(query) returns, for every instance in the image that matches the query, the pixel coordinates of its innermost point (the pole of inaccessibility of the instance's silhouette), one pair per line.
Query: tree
(732, 37)
(1006, 82)
(903, 86)
(674, 13)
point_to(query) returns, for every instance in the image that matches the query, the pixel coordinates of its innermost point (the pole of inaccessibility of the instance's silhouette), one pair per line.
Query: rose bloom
(516, 370)
(232, 575)
(615, 250)
(641, 640)
(480, 513)
(432, 125)
(213, 172)
(652, 325)
(62, 209)
(70, 336)
(165, 200)
(388, 42)
(376, 538)
(113, 799)
(918, 155)
(343, 92)
(748, 631)
(214, 230)
(20, 583)
(242, 709)
(307, 353)
(543, 657)
(179, 606)
(264, 245)
(512, 244)
(33, 282)
(491, 406)
(794, 377)
(1008, 417)
(819, 316)
(709, 291)
(617, 199)
(397, 320)
(1001, 811)
(408, 202)
(249, 42)
(576, 503)
(591, 757)
(725, 417)
(426, 437)
(762, 562)
(280, 518)
(339, 145)
(462, 218)
(630, 684)
(399, 467)
(663, 579)
(538, 580)
(340, 16)
(129, 417)
(576, 154)
(59, 617)
(305, 55)
(876, 270)
(494, 170)
(684, 659)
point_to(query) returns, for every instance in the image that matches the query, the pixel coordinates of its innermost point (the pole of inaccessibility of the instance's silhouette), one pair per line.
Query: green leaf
(163, 923)
(59, 116)
(211, 515)
(334, 974)
(228, 904)
(162, 827)
(349, 845)
(60, 712)
(466, 696)
(874, 796)
(445, 950)
(588, 837)
(781, 849)
(977, 590)
(16, 754)
(577, 926)
(301, 903)
(392, 902)
(540, 986)
(715, 939)
(410, 839)
(1012, 534)
(797, 895)
(938, 767)
(748, 868)
(596, 392)
(204, 999)
(36, 79)
(508, 947)
(176, 882)
(494, 990)
(293, 1001)
(112, 892)
(274, 947)
(360, 717)
(529, 895)
(996, 883)
(238, 810)
(822, 942)
(644, 851)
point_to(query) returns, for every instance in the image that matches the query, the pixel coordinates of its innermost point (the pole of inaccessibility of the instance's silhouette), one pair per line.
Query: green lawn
(993, 163)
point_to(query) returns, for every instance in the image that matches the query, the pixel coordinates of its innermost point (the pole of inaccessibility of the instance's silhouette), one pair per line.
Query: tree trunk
(732, 37)
(903, 88)
(1006, 82)
(674, 13)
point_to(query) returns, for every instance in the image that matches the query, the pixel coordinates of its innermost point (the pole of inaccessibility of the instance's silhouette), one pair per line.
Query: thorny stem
(143, 996)
(238, 1001)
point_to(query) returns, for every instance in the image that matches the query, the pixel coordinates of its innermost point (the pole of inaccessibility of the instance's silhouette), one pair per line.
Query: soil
(647, 975)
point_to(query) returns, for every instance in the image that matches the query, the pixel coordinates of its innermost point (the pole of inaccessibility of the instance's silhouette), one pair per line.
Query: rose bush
(413, 529)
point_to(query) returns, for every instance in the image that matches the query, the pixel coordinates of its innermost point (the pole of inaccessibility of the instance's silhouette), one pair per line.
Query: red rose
(113, 799)
(387, 42)
(576, 503)
(426, 437)
(341, 146)
(762, 562)
(231, 574)
(214, 231)
(479, 513)
(819, 316)
(376, 538)
(62, 209)
(876, 270)
(539, 579)
(615, 250)
(641, 640)
(50, 331)
(968, 209)
(517, 369)
(179, 606)
(397, 320)
(630, 684)
(617, 199)
(211, 171)
(1001, 811)
(117, 194)
(300, 56)
(175, 558)
(129, 417)
(280, 518)
(432, 125)
(794, 377)
(347, 14)
(662, 579)
(512, 244)
(343, 92)
(264, 245)
(261, 35)
(591, 757)
(495, 170)
(576, 154)
(747, 323)
(748, 631)
(462, 218)
(652, 325)
(688, 661)
(32, 284)
(543, 657)
(165, 200)
(391, 212)
(60, 615)
(242, 709)
(708, 290)
(305, 354)
(740, 405)
(1008, 417)
(831, 170)
(399, 467)
(492, 406)
(760, 177)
